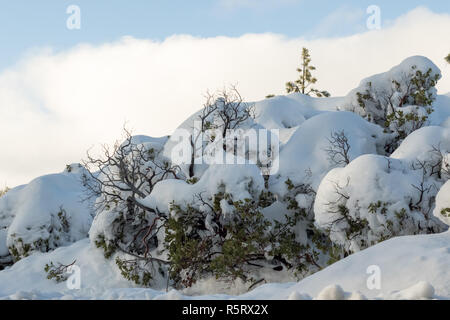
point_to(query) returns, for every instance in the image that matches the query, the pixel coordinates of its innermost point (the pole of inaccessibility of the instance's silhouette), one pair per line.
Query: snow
(345, 279)
(421, 291)
(235, 179)
(94, 270)
(3, 247)
(304, 160)
(31, 212)
(8, 203)
(416, 253)
(279, 112)
(367, 181)
(291, 110)
(388, 182)
(332, 292)
(419, 143)
(382, 85)
(141, 139)
(305, 124)
(442, 210)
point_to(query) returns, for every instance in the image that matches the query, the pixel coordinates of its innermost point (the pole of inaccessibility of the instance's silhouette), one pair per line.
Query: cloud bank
(54, 106)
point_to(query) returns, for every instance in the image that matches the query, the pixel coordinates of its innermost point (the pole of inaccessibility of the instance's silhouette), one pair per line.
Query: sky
(26, 24)
(148, 63)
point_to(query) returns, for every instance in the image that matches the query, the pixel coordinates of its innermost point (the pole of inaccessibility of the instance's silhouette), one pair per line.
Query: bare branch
(338, 150)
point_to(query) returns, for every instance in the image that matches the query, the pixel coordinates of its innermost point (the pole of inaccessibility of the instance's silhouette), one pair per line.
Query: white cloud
(54, 106)
(343, 21)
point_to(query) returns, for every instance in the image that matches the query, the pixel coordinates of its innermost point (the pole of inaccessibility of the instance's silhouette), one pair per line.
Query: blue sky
(128, 78)
(25, 24)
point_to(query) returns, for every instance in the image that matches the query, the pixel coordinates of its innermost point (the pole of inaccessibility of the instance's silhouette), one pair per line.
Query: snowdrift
(401, 262)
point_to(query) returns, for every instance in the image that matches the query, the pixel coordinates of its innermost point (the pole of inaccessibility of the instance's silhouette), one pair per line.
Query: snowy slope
(402, 262)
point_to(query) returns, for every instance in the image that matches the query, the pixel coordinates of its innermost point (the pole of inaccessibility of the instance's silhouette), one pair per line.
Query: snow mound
(295, 295)
(335, 292)
(377, 197)
(304, 158)
(292, 110)
(279, 112)
(332, 292)
(416, 253)
(420, 291)
(45, 214)
(383, 86)
(420, 143)
(382, 194)
(97, 274)
(236, 180)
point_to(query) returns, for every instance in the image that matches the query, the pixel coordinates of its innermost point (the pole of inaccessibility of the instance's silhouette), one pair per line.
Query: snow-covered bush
(298, 201)
(376, 198)
(144, 238)
(399, 100)
(118, 182)
(430, 145)
(305, 158)
(209, 241)
(240, 239)
(228, 226)
(45, 214)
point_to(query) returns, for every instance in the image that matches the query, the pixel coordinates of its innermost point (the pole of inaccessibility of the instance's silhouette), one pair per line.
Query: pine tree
(303, 84)
(447, 58)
